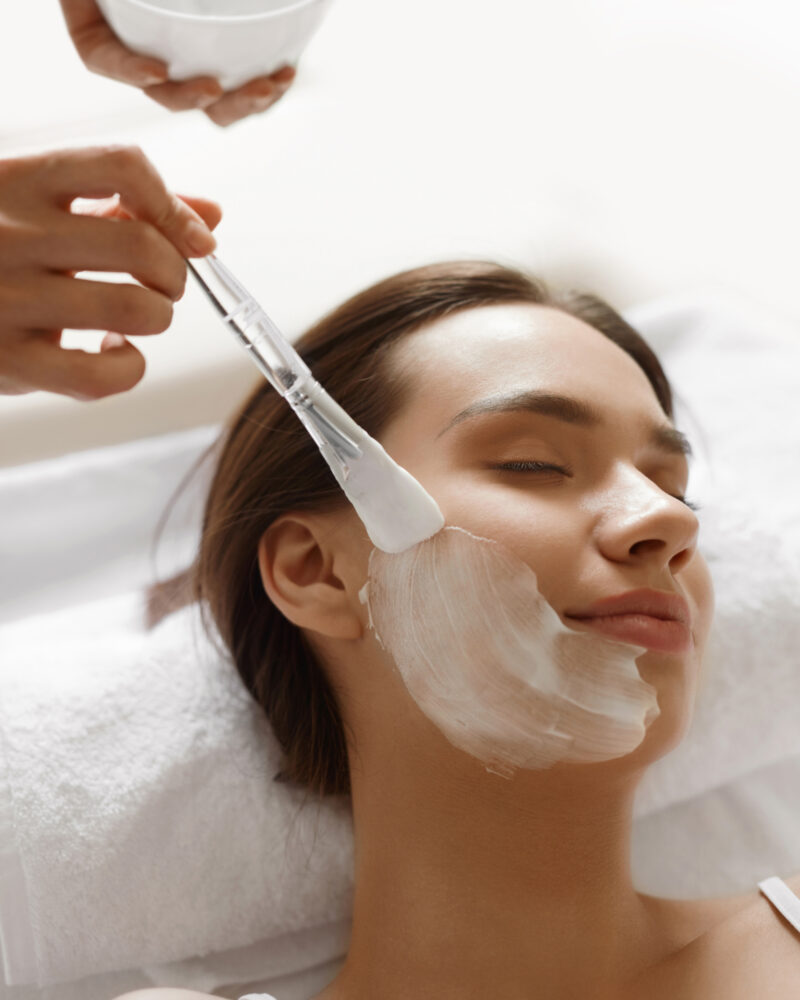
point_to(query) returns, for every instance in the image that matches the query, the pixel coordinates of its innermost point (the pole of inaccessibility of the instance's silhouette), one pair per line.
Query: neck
(471, 885)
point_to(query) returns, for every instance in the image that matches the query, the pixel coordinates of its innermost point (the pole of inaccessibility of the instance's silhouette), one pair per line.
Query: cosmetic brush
(394, 508)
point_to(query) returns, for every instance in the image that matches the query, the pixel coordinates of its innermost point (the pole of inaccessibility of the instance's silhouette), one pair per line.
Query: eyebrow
(572, 411)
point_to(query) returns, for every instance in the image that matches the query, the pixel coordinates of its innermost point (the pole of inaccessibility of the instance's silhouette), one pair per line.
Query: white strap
(782, 898)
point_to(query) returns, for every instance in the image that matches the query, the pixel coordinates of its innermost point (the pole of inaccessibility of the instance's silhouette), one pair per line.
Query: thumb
(110, 208)
(209, 211)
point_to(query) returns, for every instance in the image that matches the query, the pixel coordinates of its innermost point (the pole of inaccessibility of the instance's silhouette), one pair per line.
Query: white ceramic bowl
(232, 40)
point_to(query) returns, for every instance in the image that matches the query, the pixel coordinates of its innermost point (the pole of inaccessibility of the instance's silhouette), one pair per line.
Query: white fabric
(83, 524)
(141, 827)
(724, 839)
(143, 819)
(15, 920)
(737, 375)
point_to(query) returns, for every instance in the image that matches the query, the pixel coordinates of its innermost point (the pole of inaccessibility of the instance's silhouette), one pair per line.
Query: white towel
(736, 371)
(147, 824)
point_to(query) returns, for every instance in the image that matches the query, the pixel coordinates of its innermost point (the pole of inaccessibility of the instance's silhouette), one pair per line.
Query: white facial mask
(489, 661)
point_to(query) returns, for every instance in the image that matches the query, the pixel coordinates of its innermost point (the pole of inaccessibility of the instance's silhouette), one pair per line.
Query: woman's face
(604, 517)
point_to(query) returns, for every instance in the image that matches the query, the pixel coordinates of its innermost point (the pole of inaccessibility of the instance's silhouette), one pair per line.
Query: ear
(308, 575)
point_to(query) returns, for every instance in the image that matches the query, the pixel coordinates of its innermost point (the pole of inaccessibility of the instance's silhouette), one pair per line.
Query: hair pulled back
(268, 466)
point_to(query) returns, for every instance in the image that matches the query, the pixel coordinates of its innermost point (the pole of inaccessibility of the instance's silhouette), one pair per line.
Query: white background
(636, 147)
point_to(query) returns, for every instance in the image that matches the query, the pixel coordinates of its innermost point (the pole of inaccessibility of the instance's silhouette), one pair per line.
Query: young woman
(544, 423)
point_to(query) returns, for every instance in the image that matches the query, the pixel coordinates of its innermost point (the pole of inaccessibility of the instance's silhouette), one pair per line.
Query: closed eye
(534, 466)
(529, 466)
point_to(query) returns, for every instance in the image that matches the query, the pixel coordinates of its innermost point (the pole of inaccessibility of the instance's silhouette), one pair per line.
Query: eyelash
(544, 466)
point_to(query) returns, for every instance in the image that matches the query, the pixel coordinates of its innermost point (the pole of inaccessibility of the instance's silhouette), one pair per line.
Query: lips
(661, 634)
(650, 618)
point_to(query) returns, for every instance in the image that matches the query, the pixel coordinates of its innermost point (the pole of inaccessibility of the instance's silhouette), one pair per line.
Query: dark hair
(269, 466)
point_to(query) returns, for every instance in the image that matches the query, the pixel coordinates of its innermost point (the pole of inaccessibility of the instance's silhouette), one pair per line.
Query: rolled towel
(147, 826)
(735, 371)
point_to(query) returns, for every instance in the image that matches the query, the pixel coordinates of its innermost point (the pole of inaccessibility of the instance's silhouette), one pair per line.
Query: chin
(675, 692)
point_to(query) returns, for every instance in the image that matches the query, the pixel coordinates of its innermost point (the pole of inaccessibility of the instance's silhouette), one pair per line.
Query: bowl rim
(289, 5)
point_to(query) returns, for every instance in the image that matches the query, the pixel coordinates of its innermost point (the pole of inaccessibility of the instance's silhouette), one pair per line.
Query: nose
(643, 523)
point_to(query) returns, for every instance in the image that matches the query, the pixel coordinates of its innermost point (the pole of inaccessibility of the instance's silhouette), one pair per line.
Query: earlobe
(296, 563)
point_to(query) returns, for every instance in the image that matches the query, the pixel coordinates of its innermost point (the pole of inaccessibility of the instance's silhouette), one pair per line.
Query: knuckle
(19, 306)
(88, 40)
(171, 271)
(164, 318)
(31, 172)
(17, 242)
(186, 99)
(135, 308)
(11, 169)
(170, 212)
(126, 159)
(220, 117)
(153, 259)
(158, 95)
(141, 240)
(147, 311)
(97, 383)
(134, 373)
(180, 281)
(135, 154)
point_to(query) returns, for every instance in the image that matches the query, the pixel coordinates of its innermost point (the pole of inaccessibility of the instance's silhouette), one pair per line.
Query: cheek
(489, 662)
(536, 532)
(532, 525)
(700, 591)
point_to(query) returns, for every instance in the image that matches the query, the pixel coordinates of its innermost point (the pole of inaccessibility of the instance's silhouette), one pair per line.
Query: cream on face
(490, 663)
(595, 509)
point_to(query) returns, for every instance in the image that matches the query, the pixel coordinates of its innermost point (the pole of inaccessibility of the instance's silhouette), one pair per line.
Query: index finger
(103, 52)
(125, 171)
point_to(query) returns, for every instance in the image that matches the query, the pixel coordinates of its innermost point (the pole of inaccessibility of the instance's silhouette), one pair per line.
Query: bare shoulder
(759, 948)
(746, 950)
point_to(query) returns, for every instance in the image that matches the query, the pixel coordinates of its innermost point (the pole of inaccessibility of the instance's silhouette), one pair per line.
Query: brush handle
(270, 351)
(329, 426)
(393, 506)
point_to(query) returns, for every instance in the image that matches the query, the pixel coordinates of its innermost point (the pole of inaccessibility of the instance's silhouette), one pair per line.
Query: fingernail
(200, 239)
(204, 99)
(150, 75)
(113, 340)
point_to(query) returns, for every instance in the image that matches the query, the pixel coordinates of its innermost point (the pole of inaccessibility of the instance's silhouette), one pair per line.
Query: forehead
(482, 352)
